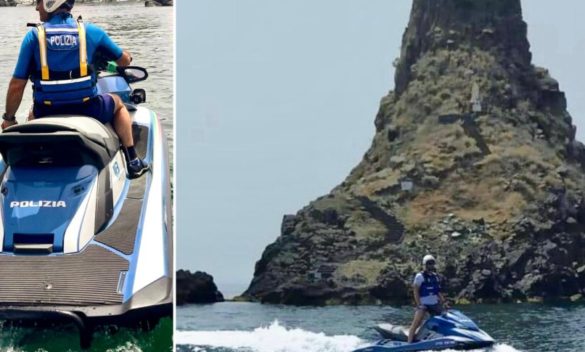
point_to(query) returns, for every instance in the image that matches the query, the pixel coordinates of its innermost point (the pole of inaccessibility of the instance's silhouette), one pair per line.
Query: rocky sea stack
(474, 160)
(196, 288)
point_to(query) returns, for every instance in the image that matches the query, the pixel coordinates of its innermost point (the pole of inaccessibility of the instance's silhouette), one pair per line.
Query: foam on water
(127, 347)
(273, 338)
(505, 348)
(277, 338)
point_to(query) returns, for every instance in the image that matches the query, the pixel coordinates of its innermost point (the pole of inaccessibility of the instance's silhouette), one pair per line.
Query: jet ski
(81, 242)
(450, 330)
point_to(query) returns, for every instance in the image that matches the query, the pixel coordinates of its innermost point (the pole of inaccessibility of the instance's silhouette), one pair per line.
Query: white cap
(52, 5)
(428, 258)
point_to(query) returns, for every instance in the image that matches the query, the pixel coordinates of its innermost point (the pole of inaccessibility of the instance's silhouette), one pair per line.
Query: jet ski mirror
(133, 73)
(138, 96)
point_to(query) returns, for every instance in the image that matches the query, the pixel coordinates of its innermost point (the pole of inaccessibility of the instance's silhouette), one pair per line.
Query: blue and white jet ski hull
(438, 344)
(80, 241)
(451, 330)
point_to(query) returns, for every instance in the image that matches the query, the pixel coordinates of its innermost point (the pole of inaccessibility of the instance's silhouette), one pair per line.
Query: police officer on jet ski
(427, 294)
(57, 56)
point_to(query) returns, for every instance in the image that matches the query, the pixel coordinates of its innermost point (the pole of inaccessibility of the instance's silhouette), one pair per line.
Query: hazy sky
(276, 103)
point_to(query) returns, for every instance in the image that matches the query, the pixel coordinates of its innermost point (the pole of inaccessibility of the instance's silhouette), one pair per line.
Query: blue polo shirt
(97, 40)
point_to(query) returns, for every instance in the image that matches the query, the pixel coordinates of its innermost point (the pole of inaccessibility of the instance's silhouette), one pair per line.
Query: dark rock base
(196, 288)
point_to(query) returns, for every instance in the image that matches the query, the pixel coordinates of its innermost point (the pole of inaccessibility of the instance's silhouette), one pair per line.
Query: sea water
(253, 327)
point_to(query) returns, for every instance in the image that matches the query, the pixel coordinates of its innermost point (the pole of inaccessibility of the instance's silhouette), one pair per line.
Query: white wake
(274, 338)
(277, 338)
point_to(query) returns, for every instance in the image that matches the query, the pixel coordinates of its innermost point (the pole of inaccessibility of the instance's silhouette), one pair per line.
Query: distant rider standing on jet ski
(427, 294)
(57, 56)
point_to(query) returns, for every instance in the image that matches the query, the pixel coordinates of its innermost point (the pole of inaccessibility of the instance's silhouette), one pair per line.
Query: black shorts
(433, 309)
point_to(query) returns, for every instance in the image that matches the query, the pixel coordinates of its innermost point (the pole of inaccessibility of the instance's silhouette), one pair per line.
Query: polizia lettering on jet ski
(38, 204)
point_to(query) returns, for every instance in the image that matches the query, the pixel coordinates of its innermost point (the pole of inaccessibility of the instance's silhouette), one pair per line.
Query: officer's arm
(14, 95)
(20, 75)
(416, 291)
(106, 44)
(444, 303)
(442, 299)
(124, 60)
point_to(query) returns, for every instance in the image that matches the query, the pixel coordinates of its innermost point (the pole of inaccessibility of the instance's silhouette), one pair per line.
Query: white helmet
(53, 5)
(427, 258)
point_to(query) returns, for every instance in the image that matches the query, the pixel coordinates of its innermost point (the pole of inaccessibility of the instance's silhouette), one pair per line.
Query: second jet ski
(452, 330)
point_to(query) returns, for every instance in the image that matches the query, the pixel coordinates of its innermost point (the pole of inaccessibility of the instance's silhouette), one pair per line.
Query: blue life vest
(64, 76)
(431, 285)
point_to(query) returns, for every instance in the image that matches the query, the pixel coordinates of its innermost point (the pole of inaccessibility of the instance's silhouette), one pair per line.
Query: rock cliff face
(474, 160)
(196, 288)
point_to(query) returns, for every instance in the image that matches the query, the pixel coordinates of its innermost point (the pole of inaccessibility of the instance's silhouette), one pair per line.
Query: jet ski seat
(61, 141)
(392, 332)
